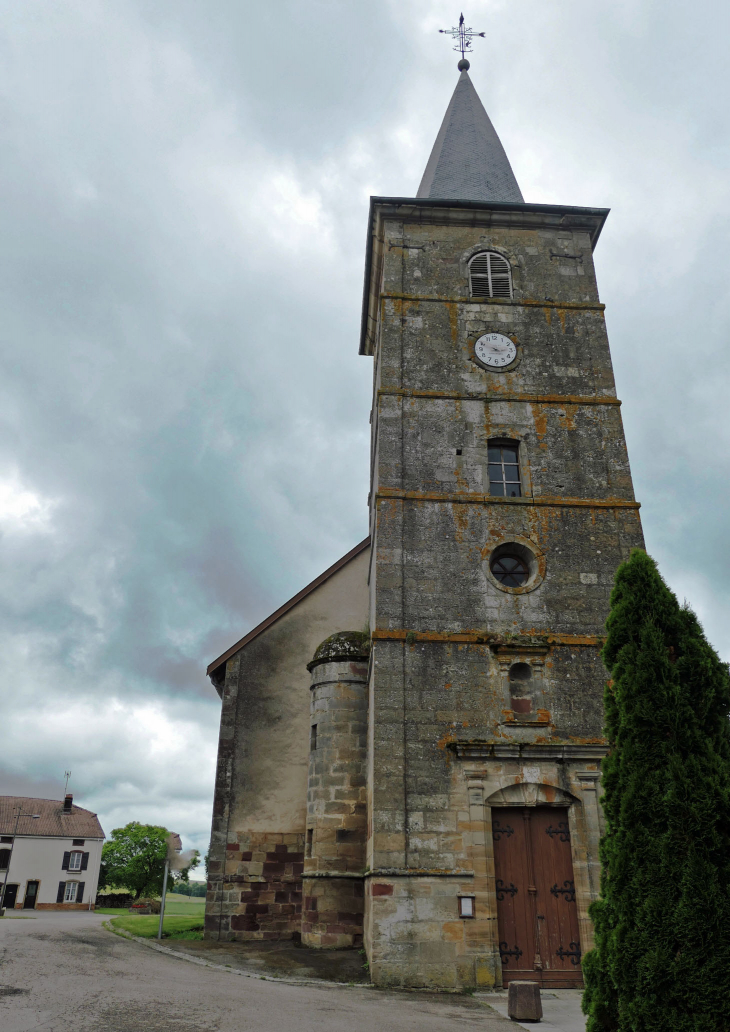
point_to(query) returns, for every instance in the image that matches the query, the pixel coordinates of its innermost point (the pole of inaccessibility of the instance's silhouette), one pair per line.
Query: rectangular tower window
(504, 470)
(310, 839)
(466, 906)
(313, 737)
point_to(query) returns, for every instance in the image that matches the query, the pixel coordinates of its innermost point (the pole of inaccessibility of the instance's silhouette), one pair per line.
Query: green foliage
(662, 955)
(134, 858)
(191, 888)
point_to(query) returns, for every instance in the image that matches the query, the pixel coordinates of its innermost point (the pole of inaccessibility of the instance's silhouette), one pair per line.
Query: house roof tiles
(53, 821)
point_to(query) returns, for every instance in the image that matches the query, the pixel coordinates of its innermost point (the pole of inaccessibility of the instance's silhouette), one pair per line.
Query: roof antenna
(463, 35)
(68, 775)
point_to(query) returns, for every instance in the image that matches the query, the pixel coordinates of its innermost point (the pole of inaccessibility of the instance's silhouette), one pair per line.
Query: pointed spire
(468, 161)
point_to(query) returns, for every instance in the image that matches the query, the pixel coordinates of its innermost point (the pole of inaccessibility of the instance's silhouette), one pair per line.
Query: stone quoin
(410, 748)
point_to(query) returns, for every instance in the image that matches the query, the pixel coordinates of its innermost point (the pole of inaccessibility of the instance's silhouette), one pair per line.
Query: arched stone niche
(530, 793)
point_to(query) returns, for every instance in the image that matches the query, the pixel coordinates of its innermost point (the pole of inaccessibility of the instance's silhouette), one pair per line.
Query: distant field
(175, 904)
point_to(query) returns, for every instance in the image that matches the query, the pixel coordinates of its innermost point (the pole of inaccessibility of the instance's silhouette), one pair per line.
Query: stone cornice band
(473, 498)
(534, 399)
(501, 302)
(484, 638)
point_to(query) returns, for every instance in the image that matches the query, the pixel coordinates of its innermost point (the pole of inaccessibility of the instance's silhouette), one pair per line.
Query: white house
(50, 855)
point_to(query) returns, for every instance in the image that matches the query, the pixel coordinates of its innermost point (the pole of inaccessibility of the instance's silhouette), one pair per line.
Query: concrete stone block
(523, 1001)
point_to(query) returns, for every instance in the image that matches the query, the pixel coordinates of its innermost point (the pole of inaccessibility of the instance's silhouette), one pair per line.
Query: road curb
(153, 945)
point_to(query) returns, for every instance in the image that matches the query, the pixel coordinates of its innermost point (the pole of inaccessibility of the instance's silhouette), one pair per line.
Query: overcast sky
(183, 413)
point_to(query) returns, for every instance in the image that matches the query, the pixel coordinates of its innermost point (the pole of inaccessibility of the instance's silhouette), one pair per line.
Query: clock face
(495, 351)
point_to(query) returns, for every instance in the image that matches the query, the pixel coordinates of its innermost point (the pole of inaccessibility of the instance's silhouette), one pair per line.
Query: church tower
(501, 504)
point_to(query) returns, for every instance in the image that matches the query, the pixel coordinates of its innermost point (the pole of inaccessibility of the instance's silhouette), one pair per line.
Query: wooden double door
(536, 912)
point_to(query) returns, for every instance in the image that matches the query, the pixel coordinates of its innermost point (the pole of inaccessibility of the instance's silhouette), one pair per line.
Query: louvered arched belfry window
(489, 275)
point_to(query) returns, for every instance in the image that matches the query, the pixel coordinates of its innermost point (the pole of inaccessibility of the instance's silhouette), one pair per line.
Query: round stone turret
(343, 646)
(334, 860)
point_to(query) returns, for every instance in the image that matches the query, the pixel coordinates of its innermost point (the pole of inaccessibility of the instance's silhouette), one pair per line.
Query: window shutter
(489, 275)
(80, 892)
(479, 276)
(61, 890)
(84, 861)
(66, 858)
(499, 276)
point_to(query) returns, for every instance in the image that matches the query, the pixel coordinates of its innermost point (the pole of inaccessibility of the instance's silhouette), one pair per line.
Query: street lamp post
(19, 814)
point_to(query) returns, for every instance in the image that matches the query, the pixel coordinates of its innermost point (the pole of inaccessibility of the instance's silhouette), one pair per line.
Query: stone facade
(467, 693)
(256, 858)
(477, 688)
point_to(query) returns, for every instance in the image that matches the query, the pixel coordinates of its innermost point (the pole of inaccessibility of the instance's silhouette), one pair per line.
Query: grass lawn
(190, 906)
(146, 925)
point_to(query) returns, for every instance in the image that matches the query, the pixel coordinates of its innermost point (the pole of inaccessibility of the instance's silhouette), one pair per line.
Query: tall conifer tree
(662, 955)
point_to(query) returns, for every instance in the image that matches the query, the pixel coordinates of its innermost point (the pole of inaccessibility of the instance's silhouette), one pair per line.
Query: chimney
(68, 803)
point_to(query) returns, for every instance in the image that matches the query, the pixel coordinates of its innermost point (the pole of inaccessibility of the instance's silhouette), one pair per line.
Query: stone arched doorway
(537, 917)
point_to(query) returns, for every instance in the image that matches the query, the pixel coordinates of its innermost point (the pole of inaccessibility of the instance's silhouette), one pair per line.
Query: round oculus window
(510, 570)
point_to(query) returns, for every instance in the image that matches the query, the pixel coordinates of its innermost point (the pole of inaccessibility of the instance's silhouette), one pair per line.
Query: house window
(504, 469)
(4, 859)
(69, 895)
(490, 275)
(74, 861)
(466, 906)
(78, 842)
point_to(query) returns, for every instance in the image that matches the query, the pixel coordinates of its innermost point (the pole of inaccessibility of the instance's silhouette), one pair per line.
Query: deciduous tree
(134, 859)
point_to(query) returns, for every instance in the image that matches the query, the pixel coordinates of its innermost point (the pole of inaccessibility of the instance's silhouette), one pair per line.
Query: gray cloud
(183, 414)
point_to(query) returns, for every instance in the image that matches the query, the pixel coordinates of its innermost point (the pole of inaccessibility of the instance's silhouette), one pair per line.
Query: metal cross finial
(463, 34)
(68, 775)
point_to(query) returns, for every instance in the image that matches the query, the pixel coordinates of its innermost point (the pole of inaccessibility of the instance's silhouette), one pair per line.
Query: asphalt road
(62, 972)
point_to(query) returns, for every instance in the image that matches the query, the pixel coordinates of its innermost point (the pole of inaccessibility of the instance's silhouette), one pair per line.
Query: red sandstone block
(355, 919)
(281, 848)
(257, 908)
(243, 923)
(246, 855)
(380, 889)
(297, 869)
(274, 868)
(234, 846)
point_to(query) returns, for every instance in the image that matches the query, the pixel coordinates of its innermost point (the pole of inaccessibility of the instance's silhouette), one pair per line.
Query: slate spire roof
(468, 161)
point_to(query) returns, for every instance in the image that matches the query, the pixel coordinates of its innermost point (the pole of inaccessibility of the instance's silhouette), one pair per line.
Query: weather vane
(463, 36)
